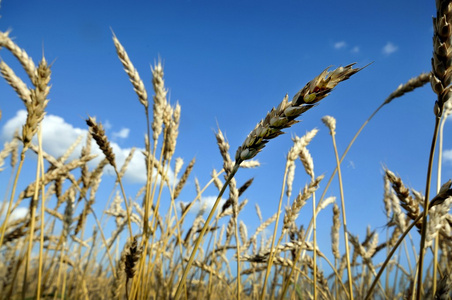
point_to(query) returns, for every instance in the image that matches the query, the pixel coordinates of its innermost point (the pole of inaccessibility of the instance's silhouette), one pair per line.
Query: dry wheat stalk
(437, 215)
(159, 100)
(399, 217)
(387, 196)
(292, 212)
(229, 202)
(178, 166)
(98, 133)
(335, 231)
(403, 194)
(442, 54)
(132, 255)
(294, 152)
(172, 132)
(36, 108)
(68, 213)
(126, 163)
(444, 287)
(26, 62)
(184, 178)
(228, 165)
(55, 174)
(243, 232)
(285, 114)
(324, 204)
(409, 86)
(134, 77)
(16, 83)
(8, 148)
(258, 212)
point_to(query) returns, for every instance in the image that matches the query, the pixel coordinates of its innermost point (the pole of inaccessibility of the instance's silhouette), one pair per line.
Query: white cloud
(58, 136)
(122, 134)
(447, 156)
(18, 213)
(107, 125)
(355, 49)
(340, 45)
(389, 48)
(206, 204)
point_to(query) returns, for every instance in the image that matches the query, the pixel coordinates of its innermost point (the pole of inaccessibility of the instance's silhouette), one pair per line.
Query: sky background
(228, 63)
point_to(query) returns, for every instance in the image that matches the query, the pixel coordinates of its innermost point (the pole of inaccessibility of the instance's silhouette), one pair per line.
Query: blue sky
(229, 63)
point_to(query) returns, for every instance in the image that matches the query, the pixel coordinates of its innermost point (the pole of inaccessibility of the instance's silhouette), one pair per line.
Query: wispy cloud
(355, 49)
(58, 136)
(122, 134)
(205, 204)
(340, 45)
(389, 48)
(18, 213)
(447, 156)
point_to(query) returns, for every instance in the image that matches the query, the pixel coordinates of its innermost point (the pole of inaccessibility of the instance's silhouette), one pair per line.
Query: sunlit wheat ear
(98, 133)
(335, 232)
(183, 179)
(403, 193)
(293, 211)
(36, 108)
(172, 132)
(15, 82)
(8, 149)
(437, 220)
(285, 114)
(26, 62)
(444, 193)
(178, 166)
(442, 55)
(159, 100)
(409, 86)
(135, 79)
(294, 152)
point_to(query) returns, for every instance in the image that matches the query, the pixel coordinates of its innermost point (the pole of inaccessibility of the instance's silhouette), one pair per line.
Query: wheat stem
(426, 208)
(203, 231)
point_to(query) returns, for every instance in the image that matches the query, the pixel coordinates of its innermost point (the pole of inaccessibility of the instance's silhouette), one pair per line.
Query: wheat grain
(26, 62)
(134, 77)
(285, 114)
(437, 216)
(409, 86)
(159, 100)
(442, 55)
(178, 166)
(292, 212)
(36, 108)
(335, 232)
(183, 179)
(16, 83)
(98, 133)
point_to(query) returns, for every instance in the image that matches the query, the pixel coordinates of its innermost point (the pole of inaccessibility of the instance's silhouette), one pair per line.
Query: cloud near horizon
(58, 136)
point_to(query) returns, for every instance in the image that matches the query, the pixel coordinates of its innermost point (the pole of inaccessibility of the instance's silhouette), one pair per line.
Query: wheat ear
(441, 79)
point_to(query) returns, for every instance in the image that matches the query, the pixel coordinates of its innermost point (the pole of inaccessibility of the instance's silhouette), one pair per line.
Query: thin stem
(344, 219)
(424, 220)
(314, 243)
(388, 257)
(272, 252)
(13, 192)
(203, 231)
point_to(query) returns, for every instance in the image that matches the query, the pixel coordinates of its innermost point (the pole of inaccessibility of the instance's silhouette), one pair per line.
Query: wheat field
(63, 249)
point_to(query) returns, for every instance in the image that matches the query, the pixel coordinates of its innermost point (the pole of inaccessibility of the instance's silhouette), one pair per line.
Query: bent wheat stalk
(269, 128)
